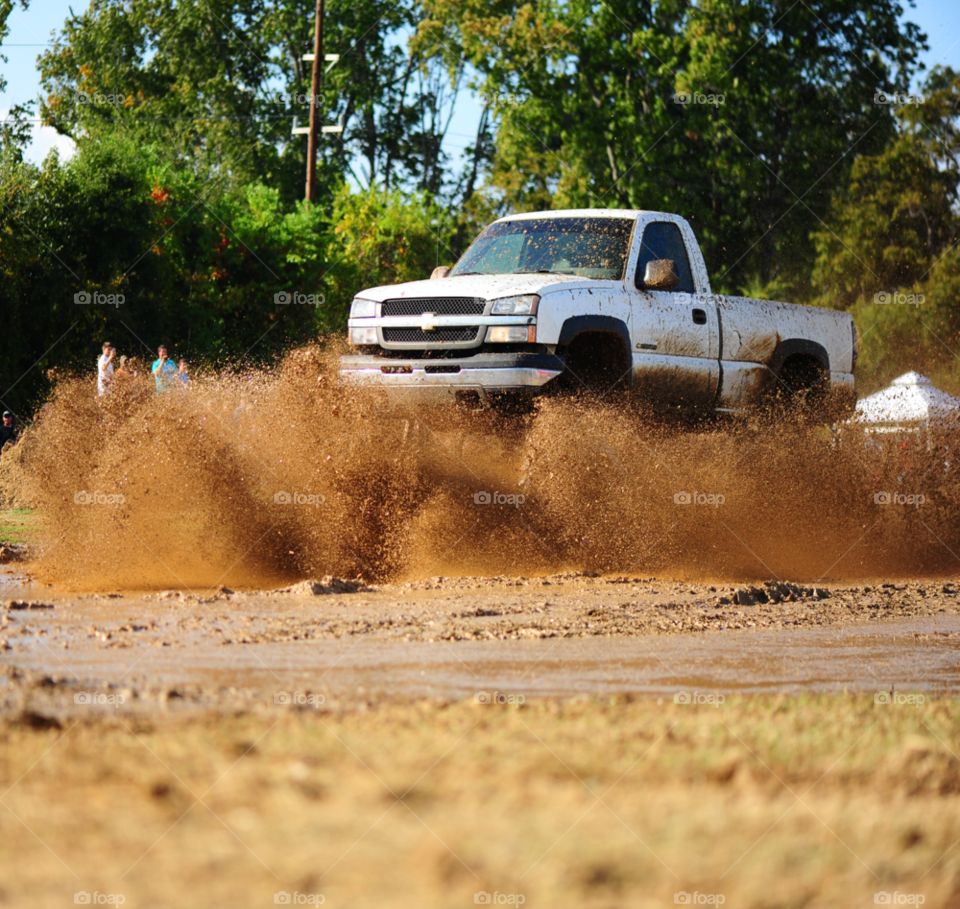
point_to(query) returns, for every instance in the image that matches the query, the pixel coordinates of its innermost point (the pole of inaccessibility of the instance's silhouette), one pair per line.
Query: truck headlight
(525, 305)
(362, 309)
(363, 336)
(512, 334)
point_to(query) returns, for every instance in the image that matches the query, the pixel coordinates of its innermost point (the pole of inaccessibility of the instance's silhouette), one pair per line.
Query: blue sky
(30, 31)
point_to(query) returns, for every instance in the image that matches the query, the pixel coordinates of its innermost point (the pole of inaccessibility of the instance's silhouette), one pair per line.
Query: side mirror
(661, 274)
(441, 271)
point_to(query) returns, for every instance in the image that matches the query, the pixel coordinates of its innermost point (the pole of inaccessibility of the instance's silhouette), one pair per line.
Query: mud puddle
(455, 638)
(902, 656)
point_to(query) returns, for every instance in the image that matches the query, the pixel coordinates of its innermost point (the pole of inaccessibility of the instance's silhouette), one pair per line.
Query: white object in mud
(911, 398)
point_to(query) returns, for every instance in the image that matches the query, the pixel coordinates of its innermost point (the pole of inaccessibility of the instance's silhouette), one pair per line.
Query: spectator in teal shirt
(164, 372)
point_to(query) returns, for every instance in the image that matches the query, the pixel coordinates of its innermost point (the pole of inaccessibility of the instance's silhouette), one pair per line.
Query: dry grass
(496, 799)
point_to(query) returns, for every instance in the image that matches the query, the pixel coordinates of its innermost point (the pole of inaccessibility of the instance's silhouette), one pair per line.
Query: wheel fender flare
(788, 348)
(577, 325)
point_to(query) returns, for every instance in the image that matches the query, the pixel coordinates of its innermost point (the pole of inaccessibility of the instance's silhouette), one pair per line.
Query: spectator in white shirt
(105, 370)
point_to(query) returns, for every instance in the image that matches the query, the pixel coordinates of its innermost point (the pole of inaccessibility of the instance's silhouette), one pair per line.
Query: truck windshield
(586, 247)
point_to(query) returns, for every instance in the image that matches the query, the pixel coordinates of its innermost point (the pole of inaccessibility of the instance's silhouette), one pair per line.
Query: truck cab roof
(631, 213)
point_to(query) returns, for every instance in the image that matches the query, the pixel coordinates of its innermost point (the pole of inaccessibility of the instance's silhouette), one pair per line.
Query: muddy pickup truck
(597, 300)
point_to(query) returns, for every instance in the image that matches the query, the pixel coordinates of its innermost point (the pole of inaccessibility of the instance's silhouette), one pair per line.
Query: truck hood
(487, 287)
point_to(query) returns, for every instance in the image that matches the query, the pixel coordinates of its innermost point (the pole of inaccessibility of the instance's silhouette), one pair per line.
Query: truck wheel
(596, 364)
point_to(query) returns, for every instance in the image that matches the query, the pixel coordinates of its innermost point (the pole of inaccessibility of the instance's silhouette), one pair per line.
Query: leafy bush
(198, 260)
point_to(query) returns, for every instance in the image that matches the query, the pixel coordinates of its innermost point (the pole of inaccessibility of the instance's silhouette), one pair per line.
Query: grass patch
(768, 801)
(19, 525)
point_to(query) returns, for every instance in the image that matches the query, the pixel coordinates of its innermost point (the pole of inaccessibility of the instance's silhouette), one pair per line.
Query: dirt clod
(328, 584)
(26, 604)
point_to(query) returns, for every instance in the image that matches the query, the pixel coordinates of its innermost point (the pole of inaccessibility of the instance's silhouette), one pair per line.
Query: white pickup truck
(595, 299)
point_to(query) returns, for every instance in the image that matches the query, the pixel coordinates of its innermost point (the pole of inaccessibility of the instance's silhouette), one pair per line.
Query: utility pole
(315, 104)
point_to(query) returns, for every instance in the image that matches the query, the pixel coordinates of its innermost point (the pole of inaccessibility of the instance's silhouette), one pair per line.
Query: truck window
(586, 247)
(663, 240)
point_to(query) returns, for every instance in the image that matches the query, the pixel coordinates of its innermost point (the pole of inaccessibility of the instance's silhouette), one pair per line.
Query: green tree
(935, 120)
(919, 329)
(586, 94)
(893, 227)
(196, 266)
(201, 266)
(896, 213)
(887, 225)
(220, 84)
(382, 238)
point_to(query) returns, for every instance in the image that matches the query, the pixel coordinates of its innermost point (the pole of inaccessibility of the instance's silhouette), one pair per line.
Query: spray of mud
(258, 479)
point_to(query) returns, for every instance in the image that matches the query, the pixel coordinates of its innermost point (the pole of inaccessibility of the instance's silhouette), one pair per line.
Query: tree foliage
(590, 113)
(888, 249)
(220, 84)
(888, 223)
(200, 265)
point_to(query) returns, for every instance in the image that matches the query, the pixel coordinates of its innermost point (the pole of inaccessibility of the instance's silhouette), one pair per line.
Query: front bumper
(484, 372)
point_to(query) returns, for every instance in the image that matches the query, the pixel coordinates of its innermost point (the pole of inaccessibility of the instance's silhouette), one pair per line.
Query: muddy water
(590, 637)
(918, 655)
(257, 479)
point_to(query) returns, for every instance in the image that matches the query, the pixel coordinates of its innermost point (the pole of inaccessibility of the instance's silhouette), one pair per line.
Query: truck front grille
(442, 306)
(454, 335)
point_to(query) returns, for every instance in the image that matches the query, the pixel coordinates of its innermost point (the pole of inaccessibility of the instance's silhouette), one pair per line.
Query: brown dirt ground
(478, 609)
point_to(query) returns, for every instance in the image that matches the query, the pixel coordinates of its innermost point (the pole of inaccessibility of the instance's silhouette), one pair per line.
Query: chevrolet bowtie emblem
(428, 324)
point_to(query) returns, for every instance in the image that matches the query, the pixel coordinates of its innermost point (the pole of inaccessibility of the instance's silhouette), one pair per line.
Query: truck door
(675, 334)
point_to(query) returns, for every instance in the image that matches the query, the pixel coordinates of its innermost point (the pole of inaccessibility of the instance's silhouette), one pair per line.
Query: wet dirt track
(455, 638)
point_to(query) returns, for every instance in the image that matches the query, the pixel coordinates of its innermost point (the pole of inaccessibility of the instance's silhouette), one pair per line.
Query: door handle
(699, 317)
